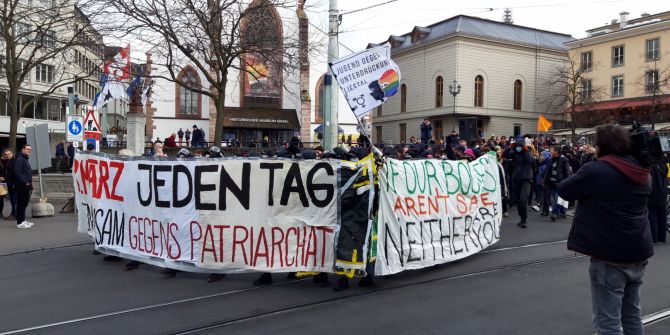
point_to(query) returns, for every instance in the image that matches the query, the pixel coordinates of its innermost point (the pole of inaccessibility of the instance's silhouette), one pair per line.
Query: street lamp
(455, 89)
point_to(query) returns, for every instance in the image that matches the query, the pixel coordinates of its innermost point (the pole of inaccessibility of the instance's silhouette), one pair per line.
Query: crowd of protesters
(531, 168)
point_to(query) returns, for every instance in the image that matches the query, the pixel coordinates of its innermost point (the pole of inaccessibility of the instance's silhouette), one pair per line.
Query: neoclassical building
(502, 70)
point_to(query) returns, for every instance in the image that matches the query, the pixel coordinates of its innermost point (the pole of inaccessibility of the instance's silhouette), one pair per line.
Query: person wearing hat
(215, 152)
(521, 177)
(469, 155)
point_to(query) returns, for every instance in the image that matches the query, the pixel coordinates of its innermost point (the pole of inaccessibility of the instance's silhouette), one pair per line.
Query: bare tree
(655, 82)
(217, 37)
(39, 39)
(575, 91)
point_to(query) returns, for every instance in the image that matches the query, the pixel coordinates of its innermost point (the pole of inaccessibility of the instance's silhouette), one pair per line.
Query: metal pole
(330, 113)
(37, 157)
(104, 121)
(70, 100)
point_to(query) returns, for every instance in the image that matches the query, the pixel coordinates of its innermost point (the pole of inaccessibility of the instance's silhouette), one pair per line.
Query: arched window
(479, 91)
(517, 94)
(439, 92)
(189, 103)
(319, 106)
(261, 78)
(403, 98)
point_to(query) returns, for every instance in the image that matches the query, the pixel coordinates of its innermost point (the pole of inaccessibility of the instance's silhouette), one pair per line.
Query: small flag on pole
(543, 124)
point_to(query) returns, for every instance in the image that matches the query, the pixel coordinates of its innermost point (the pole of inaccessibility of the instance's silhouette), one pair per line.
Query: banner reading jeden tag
(211, 215)
(367, 78)
(436, 211)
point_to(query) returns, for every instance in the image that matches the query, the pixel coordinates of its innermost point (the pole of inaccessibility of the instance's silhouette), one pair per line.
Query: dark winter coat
(60, 150)
(659, 187)
(611, 221)
(22, 170)
(70, 150)
(9, 170)
(426, 130)
(523, 164)
(558, 170)
(587, 158)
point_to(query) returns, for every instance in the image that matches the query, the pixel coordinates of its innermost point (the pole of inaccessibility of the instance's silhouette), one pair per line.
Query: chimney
(623, 19)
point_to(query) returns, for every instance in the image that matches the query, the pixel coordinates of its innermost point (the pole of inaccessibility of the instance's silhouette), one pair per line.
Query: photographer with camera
(611, 226)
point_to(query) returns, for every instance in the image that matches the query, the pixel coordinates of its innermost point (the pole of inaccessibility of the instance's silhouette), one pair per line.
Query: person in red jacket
(171, 142)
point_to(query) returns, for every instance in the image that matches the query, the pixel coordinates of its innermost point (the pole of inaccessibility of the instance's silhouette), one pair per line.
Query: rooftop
(463, 25)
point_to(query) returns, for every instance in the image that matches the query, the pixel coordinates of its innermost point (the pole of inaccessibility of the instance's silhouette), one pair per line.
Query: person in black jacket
(611, 225)
(521, 178)
(23, 185)
(426, 131)
(8, 162)
(658, 219)
(558, 170)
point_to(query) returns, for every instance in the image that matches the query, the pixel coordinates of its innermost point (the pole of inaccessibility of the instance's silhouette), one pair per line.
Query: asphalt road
(528, 283)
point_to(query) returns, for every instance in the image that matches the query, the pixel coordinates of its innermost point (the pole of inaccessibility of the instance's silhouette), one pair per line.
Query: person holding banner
(521, 177)
(611, 226)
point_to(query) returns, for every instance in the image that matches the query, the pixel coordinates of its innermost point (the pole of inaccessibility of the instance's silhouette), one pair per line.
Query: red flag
(118, 68)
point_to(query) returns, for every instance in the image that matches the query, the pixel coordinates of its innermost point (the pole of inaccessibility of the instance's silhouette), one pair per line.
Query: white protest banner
(211, 215)
(367, 78)
(436, 211)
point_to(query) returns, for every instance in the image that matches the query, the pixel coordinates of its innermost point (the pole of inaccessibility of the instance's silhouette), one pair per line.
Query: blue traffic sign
(75, 127)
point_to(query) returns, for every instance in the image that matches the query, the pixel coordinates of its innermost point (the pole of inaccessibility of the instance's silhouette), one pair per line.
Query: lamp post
(455, 89)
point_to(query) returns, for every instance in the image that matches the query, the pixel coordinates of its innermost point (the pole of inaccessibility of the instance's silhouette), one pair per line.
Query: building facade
(77, 51)
(499, 70)
(628, 63)
(263, 101)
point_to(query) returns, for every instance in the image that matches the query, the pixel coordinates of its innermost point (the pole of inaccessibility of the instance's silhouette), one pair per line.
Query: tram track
(295, 307)
(252, 316)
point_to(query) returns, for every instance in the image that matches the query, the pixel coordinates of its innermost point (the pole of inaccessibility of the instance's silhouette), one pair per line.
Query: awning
(578, 131)
(622, 103)
(260, 118)
(319, 129)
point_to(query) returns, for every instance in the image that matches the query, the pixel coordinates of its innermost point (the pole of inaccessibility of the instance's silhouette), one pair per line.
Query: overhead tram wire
(368, 7)
(325, 33)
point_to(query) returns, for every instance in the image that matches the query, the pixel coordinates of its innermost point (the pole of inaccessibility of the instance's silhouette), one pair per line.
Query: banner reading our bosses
(213, 215)
(433, 212)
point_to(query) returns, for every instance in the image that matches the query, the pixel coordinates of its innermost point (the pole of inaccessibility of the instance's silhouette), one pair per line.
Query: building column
(135, 125)
(136, 119)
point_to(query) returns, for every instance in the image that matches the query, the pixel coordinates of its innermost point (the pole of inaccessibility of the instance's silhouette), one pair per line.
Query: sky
(398, 17)
(572, 17)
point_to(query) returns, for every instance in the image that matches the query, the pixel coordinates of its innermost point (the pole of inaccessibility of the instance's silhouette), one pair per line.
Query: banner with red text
(214, 215)
(436, 211)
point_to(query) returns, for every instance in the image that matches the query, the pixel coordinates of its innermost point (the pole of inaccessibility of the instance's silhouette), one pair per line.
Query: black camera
(647, 146)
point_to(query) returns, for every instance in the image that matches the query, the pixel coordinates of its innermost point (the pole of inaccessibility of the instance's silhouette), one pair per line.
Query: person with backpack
(558, 170)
